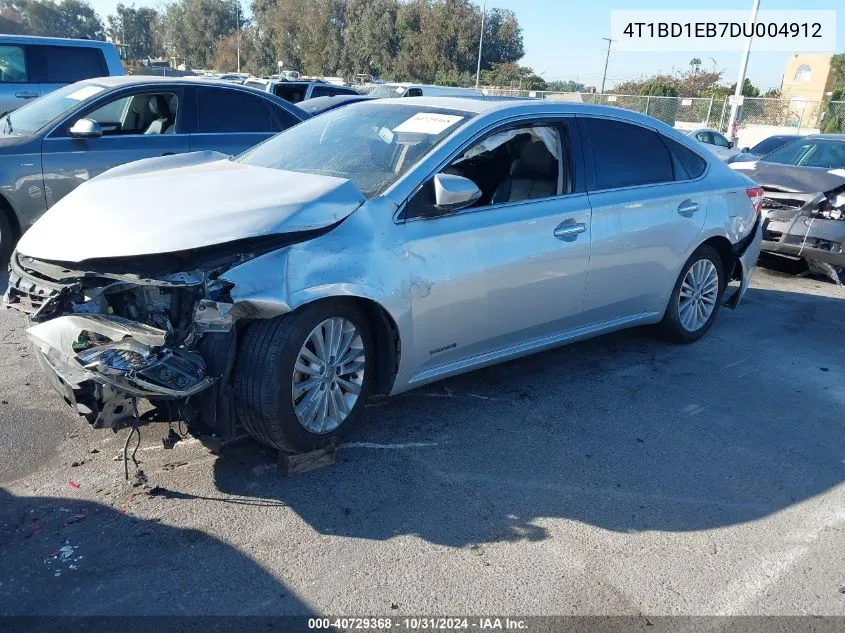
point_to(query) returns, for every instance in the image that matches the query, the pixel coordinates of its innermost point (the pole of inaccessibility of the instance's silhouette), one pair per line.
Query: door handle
(26, 95)
(687, 208)
(568, 230)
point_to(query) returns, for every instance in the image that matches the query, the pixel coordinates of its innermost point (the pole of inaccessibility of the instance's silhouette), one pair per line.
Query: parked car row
(371, 249)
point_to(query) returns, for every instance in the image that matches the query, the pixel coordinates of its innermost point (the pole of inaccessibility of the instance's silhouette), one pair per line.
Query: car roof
(119, 81)
(526, 106)
(53, 41)
(826, 137)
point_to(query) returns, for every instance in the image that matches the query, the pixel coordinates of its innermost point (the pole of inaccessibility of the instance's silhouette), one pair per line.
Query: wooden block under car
(291, 464)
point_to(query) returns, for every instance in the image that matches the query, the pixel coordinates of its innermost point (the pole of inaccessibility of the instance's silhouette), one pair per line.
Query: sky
(562, 39)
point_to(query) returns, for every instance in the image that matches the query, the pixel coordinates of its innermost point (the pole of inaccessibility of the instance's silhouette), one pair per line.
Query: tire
(7, 238)
(264, 376)
(676, 323)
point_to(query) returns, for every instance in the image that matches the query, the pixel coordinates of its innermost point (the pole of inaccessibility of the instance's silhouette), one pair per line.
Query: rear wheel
(696, 298)
(301, 380)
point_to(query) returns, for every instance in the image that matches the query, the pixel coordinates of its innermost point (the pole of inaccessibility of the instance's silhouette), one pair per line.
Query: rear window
(626, 155)
(293, 93)
(692, 164)
(67, 64)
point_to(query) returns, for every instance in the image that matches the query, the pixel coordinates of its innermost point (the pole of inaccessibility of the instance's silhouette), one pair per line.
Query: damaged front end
(111, 332)
(809, 226)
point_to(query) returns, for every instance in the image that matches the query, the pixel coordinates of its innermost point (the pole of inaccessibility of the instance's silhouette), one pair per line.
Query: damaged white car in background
(804, 202)
(370, 250)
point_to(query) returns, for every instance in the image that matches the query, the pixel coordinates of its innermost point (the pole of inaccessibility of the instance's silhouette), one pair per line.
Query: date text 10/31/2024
(419, 623)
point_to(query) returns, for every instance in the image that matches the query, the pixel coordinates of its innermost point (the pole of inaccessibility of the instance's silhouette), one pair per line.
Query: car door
(649, 204)
(17, 85)
(231, 120)
(138, 123)
(509, 271)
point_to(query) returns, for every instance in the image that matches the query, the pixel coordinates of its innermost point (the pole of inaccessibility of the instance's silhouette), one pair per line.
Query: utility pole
(480, 42)
(238, 27)
(743, 66)
(606, 60)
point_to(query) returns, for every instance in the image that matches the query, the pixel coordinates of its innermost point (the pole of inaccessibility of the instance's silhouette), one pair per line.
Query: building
(807, 78)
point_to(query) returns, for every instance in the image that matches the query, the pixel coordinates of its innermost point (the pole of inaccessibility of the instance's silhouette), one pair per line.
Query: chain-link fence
(757, 116)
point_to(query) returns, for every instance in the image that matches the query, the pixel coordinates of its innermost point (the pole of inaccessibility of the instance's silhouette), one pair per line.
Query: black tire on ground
(670, 327)
(7, 238)
(263, 375)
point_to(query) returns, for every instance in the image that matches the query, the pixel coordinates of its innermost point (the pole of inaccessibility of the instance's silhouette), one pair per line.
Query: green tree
(68, 18)
(370, 40)
(837, 68)
(748, 89)
(567, 86)
(191, 28)
(513, 75)
(134, 28)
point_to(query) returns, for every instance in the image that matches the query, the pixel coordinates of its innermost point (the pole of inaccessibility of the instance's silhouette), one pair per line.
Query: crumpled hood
(176, 203)
(791, 178)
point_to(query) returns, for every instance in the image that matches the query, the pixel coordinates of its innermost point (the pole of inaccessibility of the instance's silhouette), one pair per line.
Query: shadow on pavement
(622, 432)
(113, 563)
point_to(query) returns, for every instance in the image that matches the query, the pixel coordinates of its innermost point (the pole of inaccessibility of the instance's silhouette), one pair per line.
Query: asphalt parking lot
(618, 476)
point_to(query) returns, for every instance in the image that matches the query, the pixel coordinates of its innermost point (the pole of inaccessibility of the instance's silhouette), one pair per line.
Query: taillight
(756, 195)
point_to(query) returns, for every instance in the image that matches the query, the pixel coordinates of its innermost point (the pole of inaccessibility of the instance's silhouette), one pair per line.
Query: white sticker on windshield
(427, 123)
(399, 89)
(837, 172)
(84, 93)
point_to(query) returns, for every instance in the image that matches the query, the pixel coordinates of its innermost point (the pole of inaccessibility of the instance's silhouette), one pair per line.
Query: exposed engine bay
(122, 330)
(809, 226)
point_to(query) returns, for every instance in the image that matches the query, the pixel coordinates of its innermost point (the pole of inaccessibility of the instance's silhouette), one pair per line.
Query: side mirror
(730, 144)
(452, 193)
(745, 150)
(86, 128)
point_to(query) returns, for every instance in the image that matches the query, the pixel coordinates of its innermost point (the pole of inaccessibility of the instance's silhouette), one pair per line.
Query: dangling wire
(135, 430)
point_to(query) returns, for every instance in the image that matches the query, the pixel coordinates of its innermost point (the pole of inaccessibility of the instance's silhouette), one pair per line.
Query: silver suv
(33, 66)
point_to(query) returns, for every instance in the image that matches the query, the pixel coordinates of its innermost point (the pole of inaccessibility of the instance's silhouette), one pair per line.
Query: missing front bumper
(100, 364)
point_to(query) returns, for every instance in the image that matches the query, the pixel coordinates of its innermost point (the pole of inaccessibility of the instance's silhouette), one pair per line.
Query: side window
(12, 65)
(322, 91)
(704, 137)
(294, 93)
(67, 64)
(148, 113)
(616, 165)
(281, 119)
(510, 165)
(220, 110)
(413, 92)
(691, 164)
(720, 140)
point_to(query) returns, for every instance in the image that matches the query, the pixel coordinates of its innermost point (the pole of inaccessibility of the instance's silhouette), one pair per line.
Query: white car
(715, 142)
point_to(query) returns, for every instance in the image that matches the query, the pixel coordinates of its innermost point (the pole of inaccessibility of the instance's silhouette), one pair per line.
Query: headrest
(535, 161)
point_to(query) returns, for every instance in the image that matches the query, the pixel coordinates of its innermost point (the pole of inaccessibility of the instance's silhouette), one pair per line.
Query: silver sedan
(371, 250)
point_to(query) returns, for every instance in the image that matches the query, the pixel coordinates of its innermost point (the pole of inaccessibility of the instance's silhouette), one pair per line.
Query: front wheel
(303, 379)
(696, 298)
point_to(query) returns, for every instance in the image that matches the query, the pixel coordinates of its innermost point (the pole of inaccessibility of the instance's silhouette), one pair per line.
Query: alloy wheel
(698, 296)
(328, 375)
